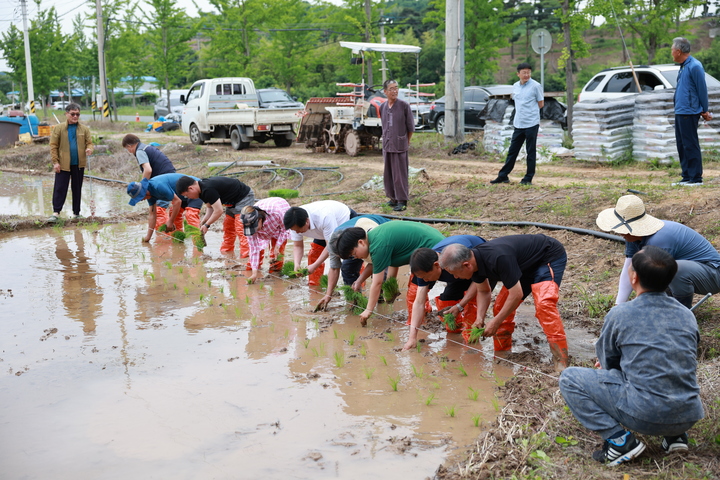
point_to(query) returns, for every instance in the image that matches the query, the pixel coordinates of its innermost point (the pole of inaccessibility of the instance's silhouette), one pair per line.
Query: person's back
(159, 162)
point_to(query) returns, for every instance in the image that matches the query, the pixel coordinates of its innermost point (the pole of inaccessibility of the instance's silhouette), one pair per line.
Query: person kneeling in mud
(645, 378)
(458, 298)
(387, 245)
(218, 194)
(161, 188)
(524, 264)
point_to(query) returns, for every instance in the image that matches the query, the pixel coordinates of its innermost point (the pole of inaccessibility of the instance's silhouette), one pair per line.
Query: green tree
(84, 60)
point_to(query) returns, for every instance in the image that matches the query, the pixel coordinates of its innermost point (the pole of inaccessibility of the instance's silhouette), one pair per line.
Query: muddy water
(32, 195)
(126, 360)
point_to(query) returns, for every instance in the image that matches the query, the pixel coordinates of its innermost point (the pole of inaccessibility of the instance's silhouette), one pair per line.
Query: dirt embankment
(535, 436)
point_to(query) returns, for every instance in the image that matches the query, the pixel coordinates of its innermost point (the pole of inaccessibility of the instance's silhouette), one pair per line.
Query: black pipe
(547, 226)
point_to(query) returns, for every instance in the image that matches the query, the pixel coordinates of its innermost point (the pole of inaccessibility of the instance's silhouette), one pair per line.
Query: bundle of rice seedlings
(450, 321)
(473, 335)
(285, 193)
(390, 289)
(162, 228)
(288, 268)
(199, 242)
(324, 282)
(179, 236)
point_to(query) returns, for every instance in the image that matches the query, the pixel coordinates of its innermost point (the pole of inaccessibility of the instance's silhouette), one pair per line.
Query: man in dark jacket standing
(398, 126)
(70, 145)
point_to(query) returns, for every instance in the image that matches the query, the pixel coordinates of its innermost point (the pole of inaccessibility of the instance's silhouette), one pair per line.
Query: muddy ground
(535, 436)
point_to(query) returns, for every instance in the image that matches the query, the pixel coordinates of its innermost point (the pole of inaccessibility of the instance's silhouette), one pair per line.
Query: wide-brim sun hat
(137, 190)
(629, 217)
(250, 222)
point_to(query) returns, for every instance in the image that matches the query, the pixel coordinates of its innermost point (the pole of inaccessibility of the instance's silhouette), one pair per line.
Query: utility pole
(454, 70)
(368, 14)
(28, 63)
(383, 20)
(101, 61)
(569, 84)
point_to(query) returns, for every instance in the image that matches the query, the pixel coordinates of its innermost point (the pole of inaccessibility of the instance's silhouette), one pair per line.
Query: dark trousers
(395, 176)
(528, 136)
(688, 145)
(74, 178)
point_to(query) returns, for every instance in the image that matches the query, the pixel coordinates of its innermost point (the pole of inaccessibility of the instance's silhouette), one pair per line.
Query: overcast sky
(67, 11)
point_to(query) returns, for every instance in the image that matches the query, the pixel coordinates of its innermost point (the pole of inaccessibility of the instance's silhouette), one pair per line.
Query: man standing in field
(691, 103)
(398, 126)
(529, 99)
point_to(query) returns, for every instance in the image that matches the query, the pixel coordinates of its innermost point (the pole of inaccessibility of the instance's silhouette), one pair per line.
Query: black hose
(106, 179)
(547, 226)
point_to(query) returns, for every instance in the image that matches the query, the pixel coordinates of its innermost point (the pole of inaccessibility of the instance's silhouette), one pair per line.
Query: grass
(597, 304)
(394, 382)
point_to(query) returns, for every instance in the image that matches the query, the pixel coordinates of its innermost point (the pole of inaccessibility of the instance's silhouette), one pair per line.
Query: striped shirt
(272, 228)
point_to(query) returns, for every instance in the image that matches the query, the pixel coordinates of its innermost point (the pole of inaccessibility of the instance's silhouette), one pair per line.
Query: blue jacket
(691, 96)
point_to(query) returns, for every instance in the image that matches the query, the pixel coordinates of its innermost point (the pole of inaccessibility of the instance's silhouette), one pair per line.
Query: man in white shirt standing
(316, 220)
(529, 99)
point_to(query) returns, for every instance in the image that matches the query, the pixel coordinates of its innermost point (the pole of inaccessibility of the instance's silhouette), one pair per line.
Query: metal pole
(101, 61)
(454, 71)
(542, 60)
(28, 63)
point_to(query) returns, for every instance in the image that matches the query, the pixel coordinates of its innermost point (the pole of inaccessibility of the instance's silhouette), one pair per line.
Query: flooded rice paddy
(128, 360)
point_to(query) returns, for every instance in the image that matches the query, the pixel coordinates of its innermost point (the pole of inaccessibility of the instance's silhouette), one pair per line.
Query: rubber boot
(240, 231)
(276, 263)
(410, 299)
(179, 219)
(228, 241)
(440, 304)
(469, 314)
(545, 295)
(161, 216)
(314, 254)
(502, 339)
(192, 216)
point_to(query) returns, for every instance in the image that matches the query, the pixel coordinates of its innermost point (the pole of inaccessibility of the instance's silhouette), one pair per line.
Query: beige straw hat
(629, 217)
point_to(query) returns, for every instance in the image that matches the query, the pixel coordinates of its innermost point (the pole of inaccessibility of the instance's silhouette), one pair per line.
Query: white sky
(11, 13)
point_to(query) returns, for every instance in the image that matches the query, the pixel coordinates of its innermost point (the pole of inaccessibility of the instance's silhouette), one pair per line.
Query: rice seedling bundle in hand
(450, 322)
(390, 289)
(179, 236)
(162, 228)
(196, 235)
(324, 282)
(473, 335)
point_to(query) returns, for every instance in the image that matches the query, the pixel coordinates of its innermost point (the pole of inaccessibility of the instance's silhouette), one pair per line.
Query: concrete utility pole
(101, 61)
(454, 70)
(368, 14)
(28, 63)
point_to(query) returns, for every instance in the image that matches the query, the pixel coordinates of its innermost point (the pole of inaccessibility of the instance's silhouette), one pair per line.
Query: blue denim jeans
(592, 397)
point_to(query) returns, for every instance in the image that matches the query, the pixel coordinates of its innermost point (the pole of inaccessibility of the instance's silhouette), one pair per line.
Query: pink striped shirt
(272, 227)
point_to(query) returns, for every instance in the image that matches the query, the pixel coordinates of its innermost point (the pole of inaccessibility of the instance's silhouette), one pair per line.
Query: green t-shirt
(392, 243)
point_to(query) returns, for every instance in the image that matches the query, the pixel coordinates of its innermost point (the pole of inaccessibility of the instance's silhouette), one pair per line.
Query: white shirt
(325, 217)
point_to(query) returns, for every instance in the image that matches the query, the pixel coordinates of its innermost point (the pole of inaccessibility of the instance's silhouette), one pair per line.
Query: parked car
(618, 82)
(475, 99)
(277, 98)
(161, 106)
(60, 105)
(420, 107)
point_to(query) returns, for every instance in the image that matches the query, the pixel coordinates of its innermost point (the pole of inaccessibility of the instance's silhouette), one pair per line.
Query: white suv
(618, 82)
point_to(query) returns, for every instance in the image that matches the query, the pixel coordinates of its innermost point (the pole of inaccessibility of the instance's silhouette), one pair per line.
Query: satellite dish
(541, 41)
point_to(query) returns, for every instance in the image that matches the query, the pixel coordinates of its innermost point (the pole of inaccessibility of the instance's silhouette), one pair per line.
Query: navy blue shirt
(469, 241)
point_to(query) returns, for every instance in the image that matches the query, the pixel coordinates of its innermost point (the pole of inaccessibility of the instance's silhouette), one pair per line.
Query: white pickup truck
(227, 108)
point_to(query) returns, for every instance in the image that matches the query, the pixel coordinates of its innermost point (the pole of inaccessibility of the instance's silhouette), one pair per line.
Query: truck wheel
(352, 143)
(440, 124)
(282, 142)
(236, 140)
(196, 137)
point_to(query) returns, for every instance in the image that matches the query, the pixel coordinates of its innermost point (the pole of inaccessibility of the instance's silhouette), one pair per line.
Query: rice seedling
(324, 282)
(287, 333)
(351, 338)
(451, 410)
(180, 269)
(394, 382)
(473, 335)
(316, 323)
(389, 337)
(319, 351)
(339, 359)
(142, 255)
(495, 403)
(175, 286)
(209, 284)
(390, 289)
(418, 347)
(306, 342)
(368, 371)
(222, 289)
(450, 322)
(253, 321)
(262, 305)
(168, 264)
(335, 334)
(179, 236)
(429, 399)
(135, 267)
(152, 276)
(498, 381)
(247, 299)
(186, 290)
(356, 300)
(383, 359)
(145, 272)
(202, 297)
(461, 369)
(202, 279)
(237, 311)
(271, 292)
(272, 328)
(476, 420)
(287, 268)
(473, 394)
(363, 350)
(419, 372)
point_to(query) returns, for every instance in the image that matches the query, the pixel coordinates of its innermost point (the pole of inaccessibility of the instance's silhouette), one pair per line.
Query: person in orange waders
(524, 264)
(161, 188)
(459, 296)
(219, 194)
(316, 220)
(152, 163)
(387, 245)
(263, 228)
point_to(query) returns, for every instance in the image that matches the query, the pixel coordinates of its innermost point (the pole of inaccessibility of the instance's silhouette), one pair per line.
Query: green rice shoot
(476, 334)
(179, 236)
(390, 289)
(450, 321)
